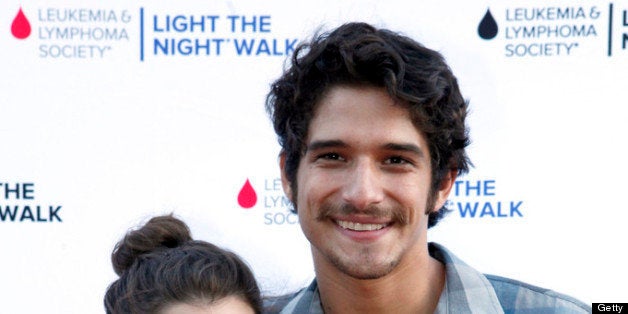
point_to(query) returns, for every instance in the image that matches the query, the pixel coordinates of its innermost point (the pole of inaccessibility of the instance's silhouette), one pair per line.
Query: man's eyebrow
(315, 145)
(402, 147)
(405, 148)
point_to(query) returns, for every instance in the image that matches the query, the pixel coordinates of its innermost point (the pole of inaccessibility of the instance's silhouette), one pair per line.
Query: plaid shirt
(466, 291)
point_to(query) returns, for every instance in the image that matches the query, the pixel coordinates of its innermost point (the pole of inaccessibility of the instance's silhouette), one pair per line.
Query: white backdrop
(111, 112)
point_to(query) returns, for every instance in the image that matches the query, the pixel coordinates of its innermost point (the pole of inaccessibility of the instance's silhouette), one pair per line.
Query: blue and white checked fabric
(466, 291)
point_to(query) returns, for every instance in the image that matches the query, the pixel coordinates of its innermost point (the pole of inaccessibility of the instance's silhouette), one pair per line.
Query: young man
(373, 135)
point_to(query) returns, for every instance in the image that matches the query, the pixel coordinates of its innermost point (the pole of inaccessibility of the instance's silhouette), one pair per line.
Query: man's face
(364, 184)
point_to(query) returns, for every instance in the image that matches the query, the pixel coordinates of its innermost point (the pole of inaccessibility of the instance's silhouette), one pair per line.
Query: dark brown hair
(358, 54)
(159, 265)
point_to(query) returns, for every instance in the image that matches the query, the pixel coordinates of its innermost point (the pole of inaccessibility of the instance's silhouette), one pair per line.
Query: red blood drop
(247, 197)
(20, 28)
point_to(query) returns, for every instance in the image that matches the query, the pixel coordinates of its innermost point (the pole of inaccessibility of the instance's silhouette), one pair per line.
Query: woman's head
(161, 267)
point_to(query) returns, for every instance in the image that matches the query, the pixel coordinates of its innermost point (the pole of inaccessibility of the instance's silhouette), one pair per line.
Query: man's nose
(363, 185)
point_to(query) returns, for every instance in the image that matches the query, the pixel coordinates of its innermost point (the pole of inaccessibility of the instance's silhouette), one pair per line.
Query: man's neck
(412, 287)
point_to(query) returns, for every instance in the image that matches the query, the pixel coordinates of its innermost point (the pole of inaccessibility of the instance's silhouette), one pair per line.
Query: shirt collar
(466, 290)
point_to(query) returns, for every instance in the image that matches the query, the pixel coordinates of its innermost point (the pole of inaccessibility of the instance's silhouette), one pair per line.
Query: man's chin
(364, 270)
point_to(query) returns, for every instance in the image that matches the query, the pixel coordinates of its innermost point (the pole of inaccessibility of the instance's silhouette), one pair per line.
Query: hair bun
(159, 232)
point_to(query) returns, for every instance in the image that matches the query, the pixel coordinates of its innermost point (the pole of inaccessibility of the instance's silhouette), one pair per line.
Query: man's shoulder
(520, 297)
(300, 301)
(274, 305)
(514, 296)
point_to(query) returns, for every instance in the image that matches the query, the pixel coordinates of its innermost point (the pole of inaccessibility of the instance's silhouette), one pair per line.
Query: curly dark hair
(358, 54)
(160, 265)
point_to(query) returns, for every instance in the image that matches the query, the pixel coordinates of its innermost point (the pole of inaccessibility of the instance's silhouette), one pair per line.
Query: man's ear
(285, 183)
(444, 189)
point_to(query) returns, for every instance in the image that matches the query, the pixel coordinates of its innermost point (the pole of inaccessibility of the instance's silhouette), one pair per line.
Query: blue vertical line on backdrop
(142, 34)
(610, 28)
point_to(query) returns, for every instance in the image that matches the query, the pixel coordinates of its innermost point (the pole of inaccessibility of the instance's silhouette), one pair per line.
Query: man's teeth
(356, 226)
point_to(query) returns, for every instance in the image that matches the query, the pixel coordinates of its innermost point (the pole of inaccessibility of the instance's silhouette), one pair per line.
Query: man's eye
(330, 156)
(396, 160)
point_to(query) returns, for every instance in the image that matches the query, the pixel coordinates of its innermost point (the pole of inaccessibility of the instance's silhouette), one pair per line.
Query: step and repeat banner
(112, 112)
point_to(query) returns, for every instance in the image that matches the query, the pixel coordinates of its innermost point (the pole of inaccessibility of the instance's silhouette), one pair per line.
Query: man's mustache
(394, 213)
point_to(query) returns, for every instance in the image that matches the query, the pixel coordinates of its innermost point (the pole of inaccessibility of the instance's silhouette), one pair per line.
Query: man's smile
(356, 226)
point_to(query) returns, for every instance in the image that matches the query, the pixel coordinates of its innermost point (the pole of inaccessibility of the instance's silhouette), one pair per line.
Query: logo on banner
(488, 27)
(478, 199)
(20, 27)
(85, 33)
(71, 33)
(556, 31)
(277, 208)
(209, 34)
(19, 205)
(247, 197)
